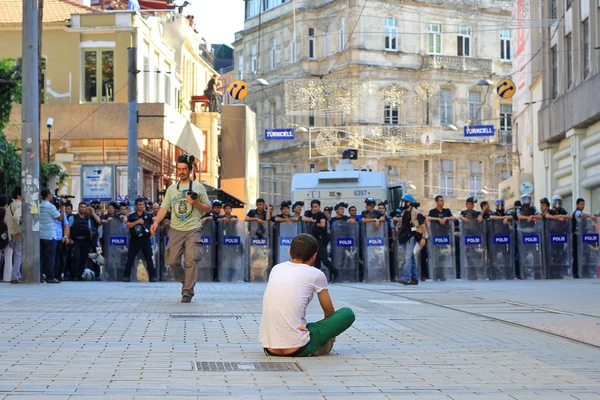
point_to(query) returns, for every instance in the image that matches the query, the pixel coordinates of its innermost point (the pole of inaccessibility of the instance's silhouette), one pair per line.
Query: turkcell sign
(472, 240)
(590, 238)
(285, 241)
(441, 240)
(531, 239)
(231, 241)
(261, 242)
(205, 240)
(559, 238)
(479, 130)
(501, 239)
(280, 134)
(345, 242)
(375, 241)
(117, 240)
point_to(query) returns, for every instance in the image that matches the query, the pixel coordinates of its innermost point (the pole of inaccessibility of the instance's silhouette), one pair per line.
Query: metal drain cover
(220, 366)
(205, 316)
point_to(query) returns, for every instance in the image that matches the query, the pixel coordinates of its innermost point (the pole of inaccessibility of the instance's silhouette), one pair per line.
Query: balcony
(459, 63)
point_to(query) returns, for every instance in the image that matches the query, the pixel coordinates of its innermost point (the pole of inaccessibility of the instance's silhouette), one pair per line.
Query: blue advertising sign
(560, 238)
(591, 238)
(280, 134)
(375, 241)
(345, 242)
(472, 240)
(285, 241)
(117, 240)
(441, 240)
(256, 241)
(231, 241)
(531, 239)
(479, 130)
(501, 239)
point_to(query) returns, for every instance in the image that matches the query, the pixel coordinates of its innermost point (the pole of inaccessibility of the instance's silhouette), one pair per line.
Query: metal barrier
(442, 262)
(259, 251)
(473, 250)
(116, 238)
(531, 257)
(206, 265)
(501, 246)
(286, 231)
(375, 252)
(557, 248)
(345, 250)
(588, 248)
(231, 252)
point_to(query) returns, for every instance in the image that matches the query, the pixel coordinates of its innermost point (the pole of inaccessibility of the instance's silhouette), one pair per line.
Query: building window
(474, 106)
(446, 116)
(504, 175)
(168, 85)
(554, 60)
(311, 44)
(435, 38)
(505, 48)
(585, 31)
(241, 66)
(326, 43)
(569, 40)
(311, 119)
(273, 54)
(476, 176)
(447, 178)
(391, 114)
(145, 74)
(552, 10)
(506, 117)
(464, 40)
(254, 64)
(342, 34)
(391, 34)
(157, 85)
(293, 48)
(98, 76)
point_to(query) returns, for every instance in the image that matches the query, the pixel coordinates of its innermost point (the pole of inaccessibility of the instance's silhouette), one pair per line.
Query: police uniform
(139, 239)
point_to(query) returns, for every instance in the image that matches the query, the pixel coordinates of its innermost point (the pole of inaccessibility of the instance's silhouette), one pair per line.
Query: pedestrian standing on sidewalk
(12, 253)
(139, 224)
(187, 201)
(48, 215)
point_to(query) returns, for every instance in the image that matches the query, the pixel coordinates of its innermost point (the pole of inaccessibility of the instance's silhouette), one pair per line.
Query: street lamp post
(49, 124)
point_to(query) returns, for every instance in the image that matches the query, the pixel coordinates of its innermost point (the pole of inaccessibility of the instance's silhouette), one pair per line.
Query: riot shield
(206, 265)
(375, 252)
(116, 238)
(501, 249)
(259, 251)
(557, 248)
(588, 248)
(531, 257)
(344, 247)
(286, 231)
(473, 250)
(307, 227)
(442, 262)
(232, 250)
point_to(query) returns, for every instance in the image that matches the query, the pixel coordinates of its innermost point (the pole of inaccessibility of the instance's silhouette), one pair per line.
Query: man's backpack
(3, 230)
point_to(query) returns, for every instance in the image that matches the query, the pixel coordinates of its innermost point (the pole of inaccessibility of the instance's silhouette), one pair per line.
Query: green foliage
(10, 90)
(48, 171)
(10, 165)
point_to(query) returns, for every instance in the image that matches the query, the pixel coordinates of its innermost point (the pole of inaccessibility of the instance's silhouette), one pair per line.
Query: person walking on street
(410, 229)
(139, 224)
(48, 215)
(12, 253)
(187, 201)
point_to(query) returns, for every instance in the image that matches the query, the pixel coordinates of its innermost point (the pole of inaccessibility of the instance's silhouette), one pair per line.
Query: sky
(218, 20)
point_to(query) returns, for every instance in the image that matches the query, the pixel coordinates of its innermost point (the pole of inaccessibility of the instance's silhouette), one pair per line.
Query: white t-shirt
(289, 291)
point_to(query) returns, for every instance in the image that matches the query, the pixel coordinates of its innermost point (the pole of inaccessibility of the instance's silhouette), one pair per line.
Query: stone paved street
(450, 340)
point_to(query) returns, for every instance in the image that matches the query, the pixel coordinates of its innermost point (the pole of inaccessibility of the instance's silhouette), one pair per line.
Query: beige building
(444, 50)
(85, 90)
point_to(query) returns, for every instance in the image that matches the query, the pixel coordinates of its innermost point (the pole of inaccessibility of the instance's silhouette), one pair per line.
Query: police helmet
(370, 201)
(556, 199)
(545, 201)
(499, 203)
(285, 204)
(217, 203)
(526, 198)
(409, 197)
(340, 204)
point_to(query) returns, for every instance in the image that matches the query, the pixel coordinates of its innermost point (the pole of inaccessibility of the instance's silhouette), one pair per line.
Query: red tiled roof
(11, 11)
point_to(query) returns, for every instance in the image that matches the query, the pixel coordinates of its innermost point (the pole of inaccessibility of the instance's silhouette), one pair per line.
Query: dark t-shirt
(211, 84)
(560, 211)
(336, 218)
(254, 214)
(470, 214)
(527, 212)
(283, 216)
(406, 231)
(147, 217)
(435, 213)
(214, 216)
(107, 216)
(375, 214)
(318, 217)
(499, 213)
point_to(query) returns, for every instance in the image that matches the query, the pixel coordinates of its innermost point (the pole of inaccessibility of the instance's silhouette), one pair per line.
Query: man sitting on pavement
(284, 330)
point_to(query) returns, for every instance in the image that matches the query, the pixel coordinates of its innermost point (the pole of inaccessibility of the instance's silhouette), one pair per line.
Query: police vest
(81, 228)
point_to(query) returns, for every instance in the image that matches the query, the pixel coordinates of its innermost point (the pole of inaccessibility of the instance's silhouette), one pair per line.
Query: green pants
(328, 328)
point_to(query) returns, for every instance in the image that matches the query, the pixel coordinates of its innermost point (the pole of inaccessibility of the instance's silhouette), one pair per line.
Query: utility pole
(132, 127)
(30, 154)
